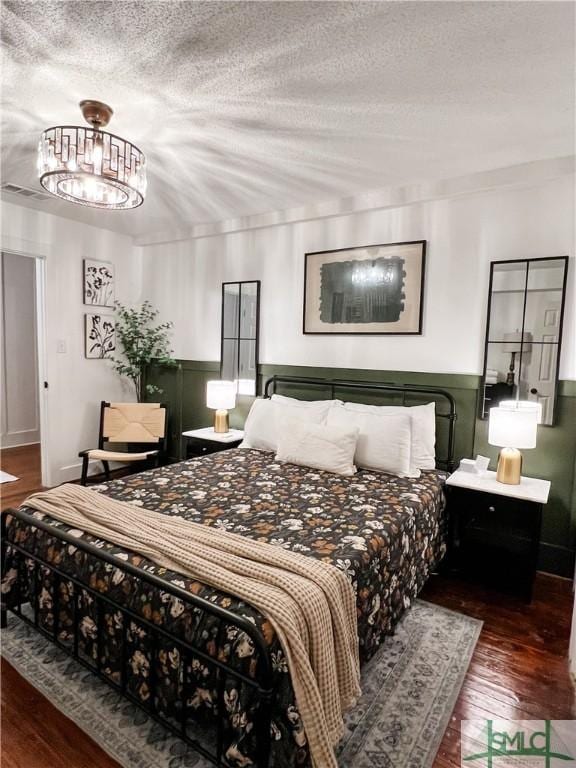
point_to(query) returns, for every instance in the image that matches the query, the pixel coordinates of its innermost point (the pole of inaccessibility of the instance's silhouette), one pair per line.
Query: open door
(20, 379)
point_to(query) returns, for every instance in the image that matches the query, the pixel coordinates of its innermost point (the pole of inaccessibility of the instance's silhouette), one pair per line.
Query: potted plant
(142, 342)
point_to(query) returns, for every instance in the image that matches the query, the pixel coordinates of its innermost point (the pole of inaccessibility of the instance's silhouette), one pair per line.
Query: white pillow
(317, 446)
(261, 427)
(384, 440)
(323, 404)
(423, 429)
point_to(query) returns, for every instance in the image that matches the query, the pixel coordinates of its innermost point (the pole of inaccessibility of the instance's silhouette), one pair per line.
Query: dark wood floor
(519, 668)
(23, 463)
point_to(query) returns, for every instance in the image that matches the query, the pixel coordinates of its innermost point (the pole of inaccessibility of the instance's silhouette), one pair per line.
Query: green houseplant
(141, 341)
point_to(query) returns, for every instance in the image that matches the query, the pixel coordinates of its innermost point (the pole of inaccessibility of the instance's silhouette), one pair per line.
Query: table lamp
(511, 429)
(221, 396)
(514, 343)
(523, 405)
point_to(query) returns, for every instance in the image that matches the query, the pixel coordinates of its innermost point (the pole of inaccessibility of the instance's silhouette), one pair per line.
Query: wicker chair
(134, 425)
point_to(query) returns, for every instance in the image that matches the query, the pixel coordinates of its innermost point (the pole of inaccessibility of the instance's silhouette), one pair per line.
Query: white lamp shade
(523, 405)
(513, 342)
(513, 428)
(220, 395)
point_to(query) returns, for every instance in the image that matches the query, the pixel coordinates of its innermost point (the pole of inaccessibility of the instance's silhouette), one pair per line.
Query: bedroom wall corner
(75, 385)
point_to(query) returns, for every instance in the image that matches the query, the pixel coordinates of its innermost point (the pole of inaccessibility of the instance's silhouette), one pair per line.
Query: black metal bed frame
(262, 683)
(335, 385)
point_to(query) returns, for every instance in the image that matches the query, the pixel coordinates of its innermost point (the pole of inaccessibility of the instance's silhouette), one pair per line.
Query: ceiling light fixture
(91, 167)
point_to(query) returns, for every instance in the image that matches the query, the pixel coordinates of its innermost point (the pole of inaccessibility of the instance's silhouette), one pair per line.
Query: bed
(204, 664)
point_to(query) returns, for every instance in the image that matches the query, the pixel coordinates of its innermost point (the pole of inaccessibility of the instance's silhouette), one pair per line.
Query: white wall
(19, 409)
(464, 234)
(76, 385)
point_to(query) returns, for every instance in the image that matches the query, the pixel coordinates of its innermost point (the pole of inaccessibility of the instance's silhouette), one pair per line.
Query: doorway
(21, 411)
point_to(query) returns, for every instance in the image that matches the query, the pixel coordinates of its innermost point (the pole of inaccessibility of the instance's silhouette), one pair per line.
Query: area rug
(5, 477)
(409, 690)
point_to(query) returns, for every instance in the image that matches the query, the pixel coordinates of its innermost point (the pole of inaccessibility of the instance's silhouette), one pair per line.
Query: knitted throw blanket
(310, 604)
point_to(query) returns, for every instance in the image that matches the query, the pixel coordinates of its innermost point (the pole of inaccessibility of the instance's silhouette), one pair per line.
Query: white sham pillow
(261, 428)
(384, 440)
(423, 454)
(317, 446)
(322, 404)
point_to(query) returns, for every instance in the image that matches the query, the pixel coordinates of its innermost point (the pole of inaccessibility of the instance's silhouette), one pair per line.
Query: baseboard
(555, 559)
(73, 471)
(19, 440)
(554, 575)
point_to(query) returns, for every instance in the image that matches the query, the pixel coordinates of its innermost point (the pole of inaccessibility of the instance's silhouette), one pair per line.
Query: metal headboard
(404, 389)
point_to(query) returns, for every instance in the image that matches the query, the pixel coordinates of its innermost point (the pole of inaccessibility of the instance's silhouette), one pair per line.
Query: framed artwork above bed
(372, 289)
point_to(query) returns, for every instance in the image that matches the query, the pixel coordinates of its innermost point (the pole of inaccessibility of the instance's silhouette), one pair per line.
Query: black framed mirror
(524, 333)
(240, 334)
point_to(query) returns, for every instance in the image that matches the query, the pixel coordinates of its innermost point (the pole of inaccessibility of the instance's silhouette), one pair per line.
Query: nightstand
(495, 529)
(201, 442)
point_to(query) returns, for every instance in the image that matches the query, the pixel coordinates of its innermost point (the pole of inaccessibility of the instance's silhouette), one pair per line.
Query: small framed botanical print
(373, 289)
(98, 283)
(100, 336)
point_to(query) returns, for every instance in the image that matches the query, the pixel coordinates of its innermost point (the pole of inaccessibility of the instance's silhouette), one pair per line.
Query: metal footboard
(31, 569)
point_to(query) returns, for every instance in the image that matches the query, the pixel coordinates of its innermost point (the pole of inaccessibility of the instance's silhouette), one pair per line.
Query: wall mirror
(524, 333)
(240, 330)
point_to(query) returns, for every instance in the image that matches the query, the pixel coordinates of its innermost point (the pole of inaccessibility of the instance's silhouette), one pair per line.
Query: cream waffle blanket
(310, 604)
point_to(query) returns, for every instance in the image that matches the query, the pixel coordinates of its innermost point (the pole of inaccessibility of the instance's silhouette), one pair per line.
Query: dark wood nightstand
(495, 529)
(201, 442)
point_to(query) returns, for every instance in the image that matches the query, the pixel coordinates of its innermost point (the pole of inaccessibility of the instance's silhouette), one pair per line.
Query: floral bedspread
(384, 532)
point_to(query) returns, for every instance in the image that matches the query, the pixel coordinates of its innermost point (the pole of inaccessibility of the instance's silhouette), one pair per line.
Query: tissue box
(482, 463)
(468, 465)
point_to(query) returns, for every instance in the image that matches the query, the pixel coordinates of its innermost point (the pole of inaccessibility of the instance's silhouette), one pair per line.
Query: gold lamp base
(509, 466)
(221, 422)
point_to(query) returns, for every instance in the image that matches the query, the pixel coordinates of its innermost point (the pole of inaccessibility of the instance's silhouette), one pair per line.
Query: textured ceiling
(243, 108)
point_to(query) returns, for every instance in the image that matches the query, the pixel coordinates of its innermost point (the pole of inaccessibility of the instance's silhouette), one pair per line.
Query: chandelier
(91, 167)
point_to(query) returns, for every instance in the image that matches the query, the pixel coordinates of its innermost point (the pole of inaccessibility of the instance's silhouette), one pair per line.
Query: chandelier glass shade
(92, 167)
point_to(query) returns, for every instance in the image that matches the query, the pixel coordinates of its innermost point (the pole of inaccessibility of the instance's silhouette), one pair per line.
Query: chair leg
(106, 466)
(84, 478)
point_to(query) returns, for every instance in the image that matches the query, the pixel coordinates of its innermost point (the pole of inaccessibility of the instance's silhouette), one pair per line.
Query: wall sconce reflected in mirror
(515, 343)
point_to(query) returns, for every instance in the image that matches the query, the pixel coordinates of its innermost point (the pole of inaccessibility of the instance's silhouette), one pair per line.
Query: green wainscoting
(554, 459)
(184, 392)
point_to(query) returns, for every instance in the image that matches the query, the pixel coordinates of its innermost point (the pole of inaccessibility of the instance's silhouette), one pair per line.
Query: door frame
(42, 371)
(41, 351)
